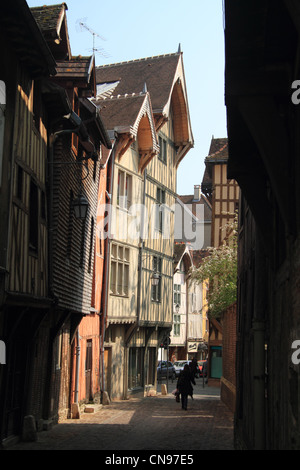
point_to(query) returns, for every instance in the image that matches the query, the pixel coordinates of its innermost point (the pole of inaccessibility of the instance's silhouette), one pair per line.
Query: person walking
(184, 385)
(194, 367)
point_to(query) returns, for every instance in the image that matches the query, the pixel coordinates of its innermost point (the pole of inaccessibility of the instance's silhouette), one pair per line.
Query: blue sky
(134, 29)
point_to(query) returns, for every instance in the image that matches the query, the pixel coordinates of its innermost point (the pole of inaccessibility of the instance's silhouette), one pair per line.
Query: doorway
(216, 362)
(107, 370)
(88, 370)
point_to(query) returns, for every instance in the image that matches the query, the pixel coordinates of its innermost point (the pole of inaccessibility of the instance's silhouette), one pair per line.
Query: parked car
(164, 369)
(202, 364)
(179, 365)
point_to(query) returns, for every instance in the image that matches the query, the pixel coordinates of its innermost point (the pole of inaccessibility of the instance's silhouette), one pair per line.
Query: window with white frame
(177, 294)
(119, 274)
(176, 325)
(124, 190)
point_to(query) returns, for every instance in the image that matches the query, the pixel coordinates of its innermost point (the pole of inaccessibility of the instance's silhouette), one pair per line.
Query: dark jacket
(185, 381)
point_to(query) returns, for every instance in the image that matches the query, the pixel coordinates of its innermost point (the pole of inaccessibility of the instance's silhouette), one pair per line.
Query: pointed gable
(165, 81)
(52, 21)
(131, 117)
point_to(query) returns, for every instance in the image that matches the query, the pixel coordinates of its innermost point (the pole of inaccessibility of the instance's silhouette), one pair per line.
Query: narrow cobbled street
(152, 423)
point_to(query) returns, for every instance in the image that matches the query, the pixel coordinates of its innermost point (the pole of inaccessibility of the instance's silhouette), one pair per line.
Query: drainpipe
(77, 367)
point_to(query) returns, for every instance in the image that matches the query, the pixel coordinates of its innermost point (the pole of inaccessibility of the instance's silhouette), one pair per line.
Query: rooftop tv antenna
(82, 26)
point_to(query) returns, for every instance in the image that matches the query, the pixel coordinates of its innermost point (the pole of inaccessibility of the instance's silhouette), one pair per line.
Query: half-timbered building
(25, 301)
(48, 158)
(74, 176)
(145, 103)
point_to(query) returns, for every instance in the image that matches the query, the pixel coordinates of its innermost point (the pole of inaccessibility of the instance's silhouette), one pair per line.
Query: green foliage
(219, 268)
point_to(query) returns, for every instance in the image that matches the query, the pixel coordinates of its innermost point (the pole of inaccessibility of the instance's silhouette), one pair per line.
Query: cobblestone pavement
(151, 423)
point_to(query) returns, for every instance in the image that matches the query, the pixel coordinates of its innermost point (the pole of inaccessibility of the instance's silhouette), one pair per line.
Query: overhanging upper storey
(131, 118)
(80, 71)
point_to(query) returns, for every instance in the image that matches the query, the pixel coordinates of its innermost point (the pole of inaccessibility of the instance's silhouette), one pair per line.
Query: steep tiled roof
(121, 111)
(218, 152)
(48, 17)
(124, 114)
(52, 22)
(157, 72)
(218, 149)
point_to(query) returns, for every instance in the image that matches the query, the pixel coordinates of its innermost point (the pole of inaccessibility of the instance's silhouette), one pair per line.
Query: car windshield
(179, 363)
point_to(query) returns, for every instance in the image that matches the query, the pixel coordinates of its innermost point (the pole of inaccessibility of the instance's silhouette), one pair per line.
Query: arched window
(2, 122)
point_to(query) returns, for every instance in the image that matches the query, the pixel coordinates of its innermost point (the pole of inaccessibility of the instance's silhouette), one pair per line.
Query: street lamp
(155, 279)
(80, 206)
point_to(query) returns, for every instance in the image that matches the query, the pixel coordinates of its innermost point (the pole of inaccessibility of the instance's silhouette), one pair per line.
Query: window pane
(113, 275)
(128, 192)
(114, 251)
(120, 191)
(120, 279)
(120, 252)
(126, 279)
(126, 254)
